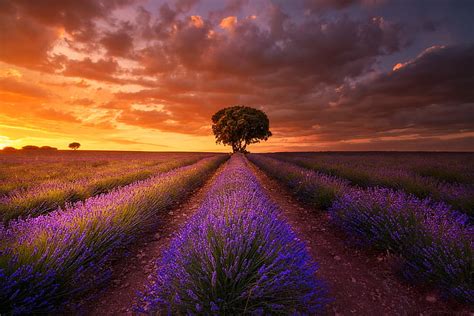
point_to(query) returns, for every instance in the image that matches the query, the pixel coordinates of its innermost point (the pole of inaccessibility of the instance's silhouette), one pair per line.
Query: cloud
(316, 6)
(55, 115)
(25, 42)
(30, 29)
(228, 23)
(427, 96)
(82, 101)
(15, 86)
(100, 70)
(118, 44)
(77, 17)
(339, 72)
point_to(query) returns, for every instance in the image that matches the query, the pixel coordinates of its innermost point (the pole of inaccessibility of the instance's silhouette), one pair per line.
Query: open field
(34, 184)
(202, 233)
(446, 177)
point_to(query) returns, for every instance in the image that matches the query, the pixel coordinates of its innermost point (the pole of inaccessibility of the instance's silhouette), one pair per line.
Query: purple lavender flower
(314, 188)
(45, 260)
(399, 173)
(235, 256)
(435, 242)
(51, 194)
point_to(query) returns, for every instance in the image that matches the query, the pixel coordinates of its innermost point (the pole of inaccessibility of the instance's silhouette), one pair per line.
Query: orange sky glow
(148, 75)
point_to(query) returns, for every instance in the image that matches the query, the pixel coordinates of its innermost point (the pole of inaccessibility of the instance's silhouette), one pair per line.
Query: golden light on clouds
(11, 72)
(228, 23)
(397, 66)
(197, 21)
(137, 75)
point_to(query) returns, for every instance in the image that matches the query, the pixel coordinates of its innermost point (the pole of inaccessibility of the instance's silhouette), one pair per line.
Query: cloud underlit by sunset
(149, 74)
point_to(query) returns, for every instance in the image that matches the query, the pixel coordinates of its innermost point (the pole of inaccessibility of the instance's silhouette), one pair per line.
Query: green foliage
(239, 126)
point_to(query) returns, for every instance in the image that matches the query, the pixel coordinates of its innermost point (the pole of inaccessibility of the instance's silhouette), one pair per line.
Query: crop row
(17, 174)
(235, 256)
(370, 174)
(22, 172)
(443, 167)
(435, 243)
(45, 260)
(50, 195)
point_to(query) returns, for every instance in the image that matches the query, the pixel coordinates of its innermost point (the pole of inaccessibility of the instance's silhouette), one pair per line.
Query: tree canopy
(74, 145)
(30, 147)
(239, 126)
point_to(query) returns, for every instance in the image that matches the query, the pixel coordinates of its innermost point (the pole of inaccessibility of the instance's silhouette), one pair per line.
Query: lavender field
(213, 234)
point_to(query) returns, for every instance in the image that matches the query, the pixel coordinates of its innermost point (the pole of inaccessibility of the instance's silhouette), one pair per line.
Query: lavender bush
(314, 188)
(386, 171)
(50, 195)
(235, 256)
(45, 260)
(435, 242)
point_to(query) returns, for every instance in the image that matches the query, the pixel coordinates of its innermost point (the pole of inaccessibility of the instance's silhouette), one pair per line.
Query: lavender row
(47, 259)
(20, 172)
(443, 167)
(434, 242)
(50, 195)
(386, 172)
(235, 256)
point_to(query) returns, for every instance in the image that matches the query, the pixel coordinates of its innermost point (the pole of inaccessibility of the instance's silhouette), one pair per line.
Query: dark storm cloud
(118, 43)
(24, 42)
(76, 17)
(429, 94)
(101, 70)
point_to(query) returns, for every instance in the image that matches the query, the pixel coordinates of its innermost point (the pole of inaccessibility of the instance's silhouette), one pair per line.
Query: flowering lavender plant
(235, 256)
(50, 195)
(47, 259)
(314, 188)
(386, 171)
(435, 242)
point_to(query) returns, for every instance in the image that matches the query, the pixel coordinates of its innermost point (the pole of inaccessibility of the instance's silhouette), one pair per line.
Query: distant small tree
(48, 148)
(239, 126)
(74, 145)
(30, 147)
(9, 149)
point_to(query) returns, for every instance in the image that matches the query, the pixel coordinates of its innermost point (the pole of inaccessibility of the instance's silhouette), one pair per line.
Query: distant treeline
(30, 148)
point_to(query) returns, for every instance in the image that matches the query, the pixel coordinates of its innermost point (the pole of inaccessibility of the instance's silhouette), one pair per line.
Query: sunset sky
(148, 74)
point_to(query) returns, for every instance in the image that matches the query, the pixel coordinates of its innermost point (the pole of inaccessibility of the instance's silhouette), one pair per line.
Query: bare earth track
(360, 283)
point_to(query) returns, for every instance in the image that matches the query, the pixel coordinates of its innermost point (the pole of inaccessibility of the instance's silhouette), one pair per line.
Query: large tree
(74, 145)
(239, 126)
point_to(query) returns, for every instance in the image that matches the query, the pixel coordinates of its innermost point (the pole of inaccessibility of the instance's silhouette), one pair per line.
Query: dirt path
(130, 274)
(361, 283)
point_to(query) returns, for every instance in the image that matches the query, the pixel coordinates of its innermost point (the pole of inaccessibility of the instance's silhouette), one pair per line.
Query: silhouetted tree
(9, 149)
(239, 126)
(48, 148)
(74, 145)
(30, 147)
